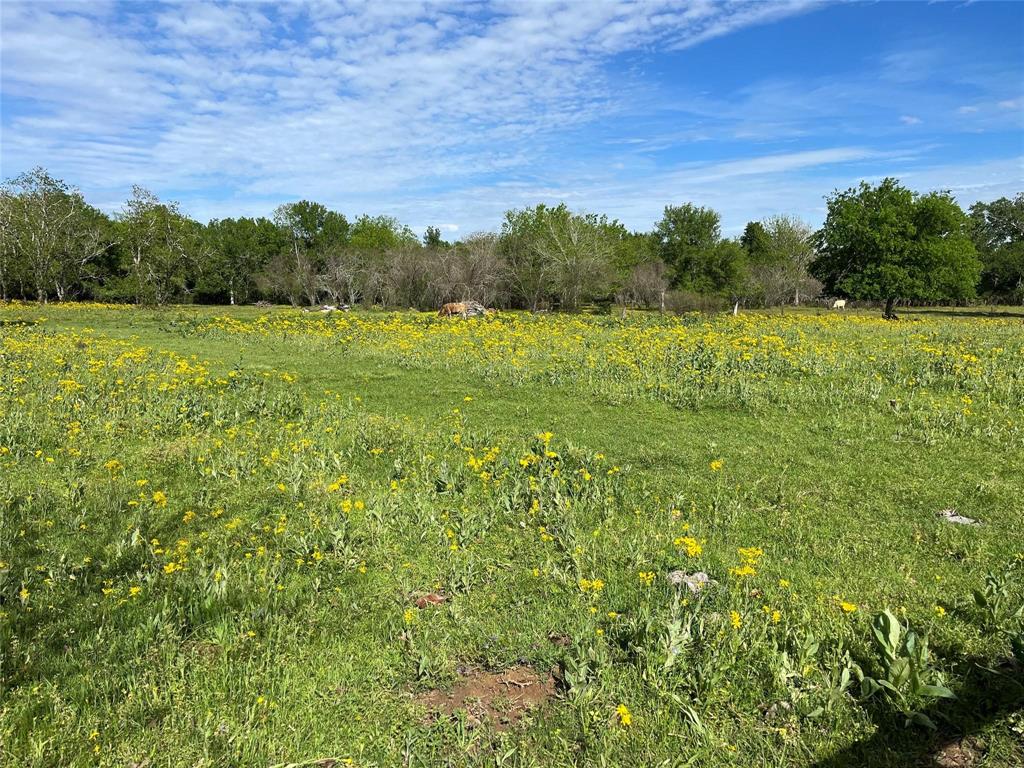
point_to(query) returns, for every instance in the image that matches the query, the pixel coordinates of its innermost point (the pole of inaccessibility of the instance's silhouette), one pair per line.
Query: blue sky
(449, 114)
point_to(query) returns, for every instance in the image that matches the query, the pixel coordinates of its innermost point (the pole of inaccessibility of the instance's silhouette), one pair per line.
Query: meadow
(263, 537)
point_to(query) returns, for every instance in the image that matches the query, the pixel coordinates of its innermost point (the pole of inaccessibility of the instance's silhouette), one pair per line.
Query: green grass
(259, 640)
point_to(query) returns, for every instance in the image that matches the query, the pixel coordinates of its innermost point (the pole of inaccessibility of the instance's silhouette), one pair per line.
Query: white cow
(839, 304)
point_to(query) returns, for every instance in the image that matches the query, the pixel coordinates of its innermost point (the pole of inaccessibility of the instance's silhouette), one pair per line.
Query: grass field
(242, 537)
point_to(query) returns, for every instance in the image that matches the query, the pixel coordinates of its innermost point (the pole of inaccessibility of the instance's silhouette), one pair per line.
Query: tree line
(879, 242)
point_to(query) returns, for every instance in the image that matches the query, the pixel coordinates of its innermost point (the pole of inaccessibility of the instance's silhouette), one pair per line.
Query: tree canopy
(878, 243)
(886, 243)
(998, 232)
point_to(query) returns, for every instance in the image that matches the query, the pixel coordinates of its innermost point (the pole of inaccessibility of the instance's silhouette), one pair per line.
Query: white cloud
(430, 111)
(331, 100)
(910, 120)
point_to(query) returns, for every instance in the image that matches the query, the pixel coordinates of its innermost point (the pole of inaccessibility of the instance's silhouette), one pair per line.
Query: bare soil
(497, 699)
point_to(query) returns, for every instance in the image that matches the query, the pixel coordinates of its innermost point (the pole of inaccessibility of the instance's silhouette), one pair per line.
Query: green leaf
(936, 691)
(887, 630)
(920, 718)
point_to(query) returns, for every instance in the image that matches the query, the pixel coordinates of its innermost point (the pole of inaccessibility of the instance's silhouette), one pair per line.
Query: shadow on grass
(964, 312)
(987, 694)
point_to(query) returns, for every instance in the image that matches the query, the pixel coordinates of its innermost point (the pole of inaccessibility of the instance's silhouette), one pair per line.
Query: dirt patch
(498, 699)
(959, 754)
(429, 599)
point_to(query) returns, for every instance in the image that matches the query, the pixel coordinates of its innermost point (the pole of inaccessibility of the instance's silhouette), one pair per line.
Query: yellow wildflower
(624, 715)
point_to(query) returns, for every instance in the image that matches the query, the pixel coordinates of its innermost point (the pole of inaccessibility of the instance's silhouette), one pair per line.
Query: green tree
(312, 231)
(238, 249)
(756, 242)
(689, 238)
(725, 270)
(887, 243)
(557, 254)
(50, 234)
(432, 239)
(633, 249)
(998, 233)
(380, 233)
(530, 275)
(160, 248)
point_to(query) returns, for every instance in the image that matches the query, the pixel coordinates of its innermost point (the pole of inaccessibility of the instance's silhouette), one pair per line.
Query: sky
(449, 114)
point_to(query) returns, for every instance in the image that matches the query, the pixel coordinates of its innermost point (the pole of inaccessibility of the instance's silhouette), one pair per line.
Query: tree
(380, 233)
(633, 249)
(50, 234)
(408, 277)
(432, 239)
(779, 253)
(9, 262)
(998, 233)
(345, 274)
(756, 242)
(312, 230)
(645, 285)
(530, 274)
(725, 269)
(688, 235)
(887, 243)
(579, 248)
(554, 253)
(160, 247)
(238, 249)
(367, 261)
(472, 269)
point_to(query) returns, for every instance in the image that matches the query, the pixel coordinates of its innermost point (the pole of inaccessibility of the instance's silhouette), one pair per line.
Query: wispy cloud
(436, 111)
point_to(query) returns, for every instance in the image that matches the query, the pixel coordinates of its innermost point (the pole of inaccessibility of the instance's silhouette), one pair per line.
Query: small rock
(780, 710)
(694, 581)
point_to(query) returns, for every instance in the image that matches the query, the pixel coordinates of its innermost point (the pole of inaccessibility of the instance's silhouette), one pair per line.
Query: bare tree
(344, 275)
(472, 269)
(409, 277)
(646, 285)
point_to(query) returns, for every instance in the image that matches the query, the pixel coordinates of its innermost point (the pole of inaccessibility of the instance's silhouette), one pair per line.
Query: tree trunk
(889, 314)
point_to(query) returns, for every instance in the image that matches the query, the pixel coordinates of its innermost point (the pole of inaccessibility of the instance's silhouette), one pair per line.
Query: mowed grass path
(843, 502)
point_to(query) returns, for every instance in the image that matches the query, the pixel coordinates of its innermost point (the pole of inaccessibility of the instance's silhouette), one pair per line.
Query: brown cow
(450, 310)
